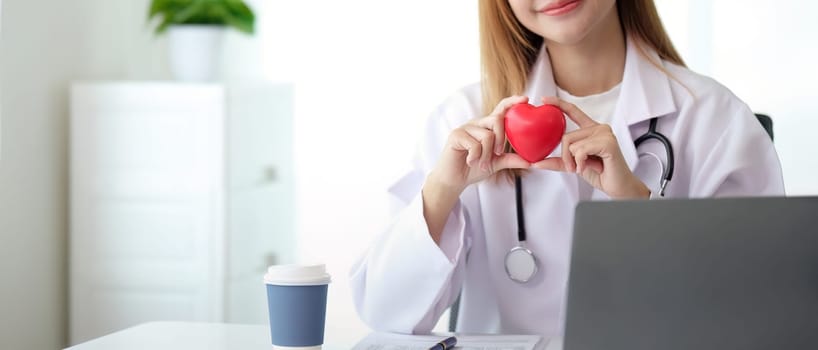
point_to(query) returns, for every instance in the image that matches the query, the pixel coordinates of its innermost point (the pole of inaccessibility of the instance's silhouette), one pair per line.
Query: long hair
(508, 50)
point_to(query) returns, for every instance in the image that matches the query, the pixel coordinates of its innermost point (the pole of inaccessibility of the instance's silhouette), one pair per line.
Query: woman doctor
(611, 68)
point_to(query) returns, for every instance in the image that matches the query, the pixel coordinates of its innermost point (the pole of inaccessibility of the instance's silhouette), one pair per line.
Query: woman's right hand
(474, 151)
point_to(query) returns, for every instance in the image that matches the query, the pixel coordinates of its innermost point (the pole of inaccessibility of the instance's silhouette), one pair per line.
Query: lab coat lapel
(645, 94)
(540, 84)
(541, 80)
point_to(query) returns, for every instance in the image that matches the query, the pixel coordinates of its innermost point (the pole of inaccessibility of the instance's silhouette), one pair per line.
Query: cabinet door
(147, 205)
(260, 197)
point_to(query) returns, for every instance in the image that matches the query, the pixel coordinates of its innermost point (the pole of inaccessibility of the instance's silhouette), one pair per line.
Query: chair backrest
(767, 123)
(454, 310)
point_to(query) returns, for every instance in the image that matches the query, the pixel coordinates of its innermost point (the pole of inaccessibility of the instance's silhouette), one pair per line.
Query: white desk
(202, 336)
(189, 335)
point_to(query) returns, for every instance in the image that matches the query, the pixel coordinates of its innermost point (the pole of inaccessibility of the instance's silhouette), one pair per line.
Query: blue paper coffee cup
(297, 305)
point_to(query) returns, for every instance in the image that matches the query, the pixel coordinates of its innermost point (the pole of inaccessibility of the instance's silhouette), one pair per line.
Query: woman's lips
(560, 8)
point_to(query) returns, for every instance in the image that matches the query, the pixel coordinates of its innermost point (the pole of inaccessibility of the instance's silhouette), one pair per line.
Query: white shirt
(600, 107)
(404, 281)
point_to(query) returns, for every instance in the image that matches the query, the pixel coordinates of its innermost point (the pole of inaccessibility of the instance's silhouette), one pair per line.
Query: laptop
(703, 274)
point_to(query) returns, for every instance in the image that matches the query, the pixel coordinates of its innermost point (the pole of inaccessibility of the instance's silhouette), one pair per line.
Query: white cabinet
(180, 195)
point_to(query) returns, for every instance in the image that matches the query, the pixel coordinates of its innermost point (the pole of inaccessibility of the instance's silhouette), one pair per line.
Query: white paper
(386, 341)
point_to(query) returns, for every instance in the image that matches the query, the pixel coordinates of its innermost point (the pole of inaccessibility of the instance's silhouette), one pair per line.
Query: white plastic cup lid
(297, 275)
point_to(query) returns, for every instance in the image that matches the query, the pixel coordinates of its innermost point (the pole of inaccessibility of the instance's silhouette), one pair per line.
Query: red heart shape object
(534, 132)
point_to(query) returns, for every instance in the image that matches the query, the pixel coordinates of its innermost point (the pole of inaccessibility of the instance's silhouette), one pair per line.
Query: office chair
(765, 121)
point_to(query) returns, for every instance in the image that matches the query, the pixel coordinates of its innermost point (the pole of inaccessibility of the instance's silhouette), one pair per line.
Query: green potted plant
(195, 30)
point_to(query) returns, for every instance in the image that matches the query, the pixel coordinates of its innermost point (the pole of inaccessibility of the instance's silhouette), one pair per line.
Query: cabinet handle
(269, 260)
(270, 175)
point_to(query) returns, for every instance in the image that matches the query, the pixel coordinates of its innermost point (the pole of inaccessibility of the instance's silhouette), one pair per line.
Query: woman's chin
(565, 36)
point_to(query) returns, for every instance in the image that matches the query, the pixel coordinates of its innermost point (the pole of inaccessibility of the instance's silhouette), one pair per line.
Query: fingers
(499, 134)
(460, 140)
(486, 139)
(477, 142)
(580, 151)
(550, 163)
(509, 161)
(584, 150)
(572, 111)
(595, 164)
(556, 164)
(506, 103)
(496, 121)
(497, 126)
(567, 140)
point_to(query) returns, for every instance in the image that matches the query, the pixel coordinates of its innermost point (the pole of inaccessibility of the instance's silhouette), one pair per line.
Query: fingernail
(498, 150)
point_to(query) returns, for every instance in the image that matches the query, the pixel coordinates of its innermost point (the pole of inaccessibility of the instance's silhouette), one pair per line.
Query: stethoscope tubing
(518, 192)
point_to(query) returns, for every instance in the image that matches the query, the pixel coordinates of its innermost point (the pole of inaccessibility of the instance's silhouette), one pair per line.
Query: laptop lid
(705, 274)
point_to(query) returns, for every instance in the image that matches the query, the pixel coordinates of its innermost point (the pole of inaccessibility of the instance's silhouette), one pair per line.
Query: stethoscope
(521, 264)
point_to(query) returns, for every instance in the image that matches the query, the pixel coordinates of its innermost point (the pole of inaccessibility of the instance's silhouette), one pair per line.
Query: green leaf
(189, 12)
(241, 25)
(239, 8)
(242, 17)
(232, 13)
(166, 22)
(166, 6)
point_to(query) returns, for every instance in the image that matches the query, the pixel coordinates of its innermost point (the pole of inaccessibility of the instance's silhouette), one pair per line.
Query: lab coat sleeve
(742, 161)
(404, 282)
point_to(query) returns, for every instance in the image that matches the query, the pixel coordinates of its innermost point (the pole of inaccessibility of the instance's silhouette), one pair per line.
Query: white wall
(765, 52)
(45, 44)
(366, 73)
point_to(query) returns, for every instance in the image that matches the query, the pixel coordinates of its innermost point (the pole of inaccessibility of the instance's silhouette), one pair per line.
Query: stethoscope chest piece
(521, 264)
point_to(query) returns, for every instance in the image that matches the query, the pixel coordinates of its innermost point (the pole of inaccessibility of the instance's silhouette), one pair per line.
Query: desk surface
(200, 336)
(189, 335)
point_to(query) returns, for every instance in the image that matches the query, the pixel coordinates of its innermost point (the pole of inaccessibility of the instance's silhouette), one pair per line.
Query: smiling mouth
(560, 8)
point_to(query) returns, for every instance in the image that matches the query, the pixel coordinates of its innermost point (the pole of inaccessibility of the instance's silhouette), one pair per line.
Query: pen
(445, 344)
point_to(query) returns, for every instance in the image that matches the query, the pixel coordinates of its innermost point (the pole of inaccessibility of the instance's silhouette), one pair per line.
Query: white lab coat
(404, 281)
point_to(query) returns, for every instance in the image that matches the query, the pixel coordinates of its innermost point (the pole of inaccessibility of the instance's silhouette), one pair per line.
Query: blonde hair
(508, 50)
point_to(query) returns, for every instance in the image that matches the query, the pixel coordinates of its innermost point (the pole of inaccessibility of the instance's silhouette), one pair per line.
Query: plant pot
(195, 52)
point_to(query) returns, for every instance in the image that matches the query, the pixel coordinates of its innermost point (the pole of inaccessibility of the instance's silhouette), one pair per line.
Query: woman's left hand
(593, 152)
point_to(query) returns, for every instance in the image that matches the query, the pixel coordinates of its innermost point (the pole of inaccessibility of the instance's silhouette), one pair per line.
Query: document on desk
(386, 341)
